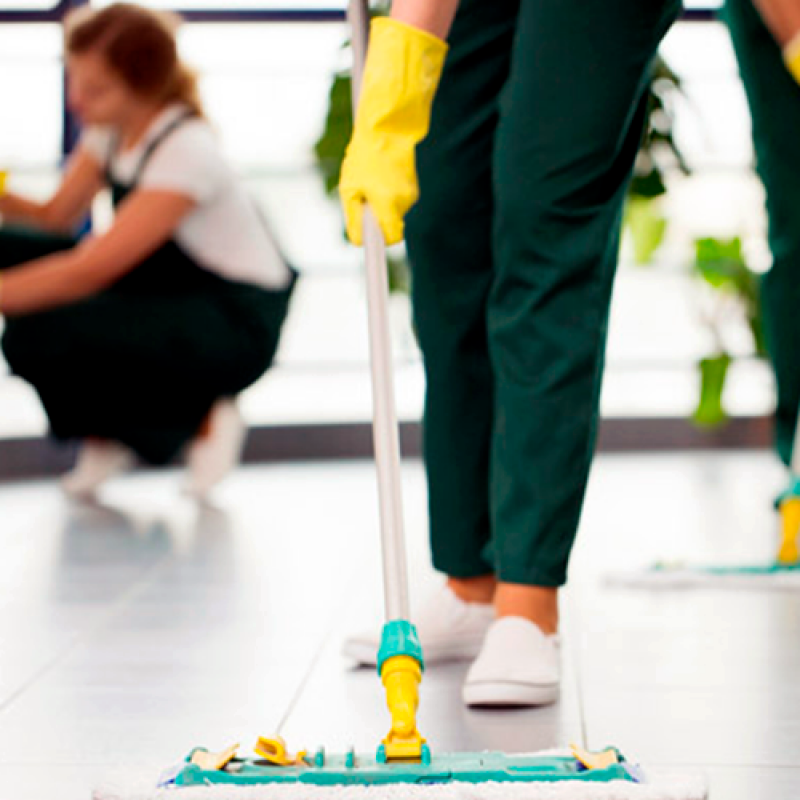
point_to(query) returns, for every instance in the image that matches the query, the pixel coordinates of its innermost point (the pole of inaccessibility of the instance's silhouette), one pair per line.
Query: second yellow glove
(404, 65)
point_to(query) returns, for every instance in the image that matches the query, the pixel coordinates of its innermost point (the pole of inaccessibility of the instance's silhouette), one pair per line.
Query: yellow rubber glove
(791, 56)
(401, 75)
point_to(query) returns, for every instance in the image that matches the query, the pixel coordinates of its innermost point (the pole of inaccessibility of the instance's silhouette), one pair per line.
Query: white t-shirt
(224, 232)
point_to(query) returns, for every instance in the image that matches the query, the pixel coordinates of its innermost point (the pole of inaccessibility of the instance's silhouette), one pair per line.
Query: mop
(403, 766)
(782, 573)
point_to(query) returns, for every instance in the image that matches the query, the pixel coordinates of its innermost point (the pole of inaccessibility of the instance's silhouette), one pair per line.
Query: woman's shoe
(216, 452)
(98, 460)
(518, 666)
(449, 630)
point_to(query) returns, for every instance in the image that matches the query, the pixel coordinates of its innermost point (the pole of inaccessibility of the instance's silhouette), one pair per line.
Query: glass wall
(266, 89)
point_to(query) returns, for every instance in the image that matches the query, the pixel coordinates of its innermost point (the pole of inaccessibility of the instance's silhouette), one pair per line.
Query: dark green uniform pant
(142, 362)
(513, 247)
(774, 99)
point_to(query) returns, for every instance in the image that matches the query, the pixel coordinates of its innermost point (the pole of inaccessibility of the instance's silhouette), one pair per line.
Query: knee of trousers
(22, 346)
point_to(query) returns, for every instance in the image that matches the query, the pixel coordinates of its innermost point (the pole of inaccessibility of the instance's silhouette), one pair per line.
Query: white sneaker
(449, 630)
(518, 666)
(98, 461)
(211, 458)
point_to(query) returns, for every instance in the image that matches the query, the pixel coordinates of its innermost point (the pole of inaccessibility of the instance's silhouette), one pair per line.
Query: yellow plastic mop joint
(273, 749)
(789, 552)
(212, 762)
(401, 675)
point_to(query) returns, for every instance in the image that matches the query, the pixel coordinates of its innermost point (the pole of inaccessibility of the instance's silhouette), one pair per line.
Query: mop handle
(794, 466)
(385, 429)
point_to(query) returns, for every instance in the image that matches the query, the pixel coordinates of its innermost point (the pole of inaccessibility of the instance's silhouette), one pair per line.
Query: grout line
(332, 629)
(92, 632)
(573, 640)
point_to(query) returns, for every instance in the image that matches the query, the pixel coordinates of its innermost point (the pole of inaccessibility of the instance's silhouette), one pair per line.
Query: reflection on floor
(132, 631)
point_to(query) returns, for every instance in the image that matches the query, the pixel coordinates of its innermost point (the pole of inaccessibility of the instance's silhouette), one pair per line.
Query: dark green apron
(143, 362)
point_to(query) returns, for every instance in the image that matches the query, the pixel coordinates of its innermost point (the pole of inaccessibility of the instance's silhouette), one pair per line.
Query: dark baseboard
(631, 434)
(38, 457)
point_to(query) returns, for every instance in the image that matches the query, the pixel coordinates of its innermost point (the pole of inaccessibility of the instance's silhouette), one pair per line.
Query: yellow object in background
(3, 180)
(791, 56)
(789, 552)
(402, 72)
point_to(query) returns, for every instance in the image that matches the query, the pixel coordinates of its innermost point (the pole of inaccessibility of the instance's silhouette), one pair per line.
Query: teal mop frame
(352, 769)
(783, 572)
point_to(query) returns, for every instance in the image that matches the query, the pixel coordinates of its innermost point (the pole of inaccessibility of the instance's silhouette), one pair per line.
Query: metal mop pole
(385, 430)
(400, 661)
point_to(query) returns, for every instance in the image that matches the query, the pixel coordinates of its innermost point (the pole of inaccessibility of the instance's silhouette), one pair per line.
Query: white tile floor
(136, 630)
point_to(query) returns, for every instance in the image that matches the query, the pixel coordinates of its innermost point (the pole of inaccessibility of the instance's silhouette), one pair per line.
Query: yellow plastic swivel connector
(602, 760)
(213, 762)
(789, 551)
(273, 749)
(401, 676)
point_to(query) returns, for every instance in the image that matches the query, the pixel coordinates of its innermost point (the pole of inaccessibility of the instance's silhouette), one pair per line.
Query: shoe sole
(507, 694)
(365, 653)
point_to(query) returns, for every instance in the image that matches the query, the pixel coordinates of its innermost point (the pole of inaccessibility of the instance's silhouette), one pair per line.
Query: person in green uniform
(138, 339)
(766, 39)
(535, 111)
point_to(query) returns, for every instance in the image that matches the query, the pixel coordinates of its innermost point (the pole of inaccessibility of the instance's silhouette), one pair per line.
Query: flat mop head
(772, 576)
(782, 573)
(578, 775)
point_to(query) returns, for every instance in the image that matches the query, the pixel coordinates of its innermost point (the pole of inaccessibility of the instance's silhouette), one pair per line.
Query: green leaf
(399, 275)
(648, 184)
(710, 413)
(646, 227)
(330, 147)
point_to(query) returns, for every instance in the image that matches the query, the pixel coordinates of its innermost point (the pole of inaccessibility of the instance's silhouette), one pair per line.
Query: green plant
(721, 266)
(658, 151)
(329, 148)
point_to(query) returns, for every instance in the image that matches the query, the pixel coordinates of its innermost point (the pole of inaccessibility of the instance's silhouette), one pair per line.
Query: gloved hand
(791, 56)
(401, 75)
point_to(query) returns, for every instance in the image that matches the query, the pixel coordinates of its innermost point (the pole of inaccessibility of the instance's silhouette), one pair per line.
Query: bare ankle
(480, 589)
(539, 604)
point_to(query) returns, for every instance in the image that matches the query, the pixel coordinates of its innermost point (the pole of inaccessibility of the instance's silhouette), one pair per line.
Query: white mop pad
(685, 577)
(661, 785)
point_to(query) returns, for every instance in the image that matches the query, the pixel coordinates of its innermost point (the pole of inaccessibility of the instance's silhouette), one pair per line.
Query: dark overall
(774, 99)
(142, 362)
(513, 247)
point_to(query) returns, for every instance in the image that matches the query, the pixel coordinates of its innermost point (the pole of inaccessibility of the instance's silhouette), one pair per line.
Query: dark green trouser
(513, 247)
(774, 99)
(143, 361)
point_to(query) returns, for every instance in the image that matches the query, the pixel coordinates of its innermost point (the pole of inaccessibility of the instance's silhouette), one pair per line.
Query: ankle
(480, 589)
(204, 431)
(538, 604)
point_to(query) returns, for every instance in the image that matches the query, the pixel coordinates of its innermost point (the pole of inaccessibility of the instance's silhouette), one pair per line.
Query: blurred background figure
(138, 339)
